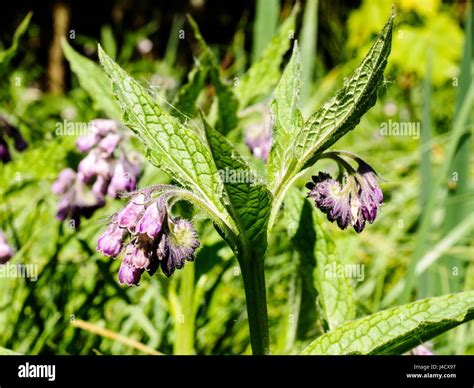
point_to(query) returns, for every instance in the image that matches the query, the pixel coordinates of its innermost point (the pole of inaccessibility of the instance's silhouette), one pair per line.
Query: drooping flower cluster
(6, 251)
(9, 131)
(353, 200)
(156, 239)
(105, 170)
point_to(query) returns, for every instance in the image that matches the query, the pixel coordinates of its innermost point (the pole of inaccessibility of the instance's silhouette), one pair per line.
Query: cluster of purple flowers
(9, 131)
(6, 251)
(156, 239)
(105, 170)
(353, 201)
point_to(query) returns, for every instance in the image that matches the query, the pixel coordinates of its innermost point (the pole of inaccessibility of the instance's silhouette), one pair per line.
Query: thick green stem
(254, 283)
(185, 315)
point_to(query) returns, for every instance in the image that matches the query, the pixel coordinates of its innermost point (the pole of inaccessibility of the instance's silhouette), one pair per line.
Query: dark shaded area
(218, 21)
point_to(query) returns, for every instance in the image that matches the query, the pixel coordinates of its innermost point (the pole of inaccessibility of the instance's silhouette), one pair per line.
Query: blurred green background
(420, 246)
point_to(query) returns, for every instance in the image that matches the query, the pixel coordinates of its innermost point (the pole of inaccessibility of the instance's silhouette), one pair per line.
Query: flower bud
(139, 254)
(109, 143)
(124, 178)
(110, 242)
(103, 127)
(64, 181)
(86, 142)
(129, 216)
(99, 188)
(128, 274)
(64, 209)
(87, 167)
(152, 220)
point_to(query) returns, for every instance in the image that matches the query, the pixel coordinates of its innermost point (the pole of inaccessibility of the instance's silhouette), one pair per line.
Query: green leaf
(228, 105)
(185, 102)
(337, 116)
(174, 147)
(299, 224)
(264, 26)
(7, 54)
(335, 292)
(315, 245)
(93, 80)
(288, 118)
(399, 329)
(247, 200)
(344, 111)
(309, 39)
(189, 93)
(264, 73)
(107, 40)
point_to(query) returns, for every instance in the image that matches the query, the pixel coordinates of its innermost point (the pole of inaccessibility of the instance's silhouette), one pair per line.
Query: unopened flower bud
(129, 216)
(110, 242)
(128, 274)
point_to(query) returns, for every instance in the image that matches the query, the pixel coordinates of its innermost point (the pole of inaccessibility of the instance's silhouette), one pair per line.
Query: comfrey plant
(194, 148)
(106, 170)
(243, 212)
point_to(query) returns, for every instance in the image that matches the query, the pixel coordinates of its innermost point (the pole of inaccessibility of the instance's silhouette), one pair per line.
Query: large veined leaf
(93, 80)
(314, 244)
(264, 73)
(247, 200)
(399, 329)
(344, 111)
(171, 145)
(338, 115)
(288, 118)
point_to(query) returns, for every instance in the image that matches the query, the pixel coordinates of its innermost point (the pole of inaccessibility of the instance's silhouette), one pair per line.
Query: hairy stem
(254, 283)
